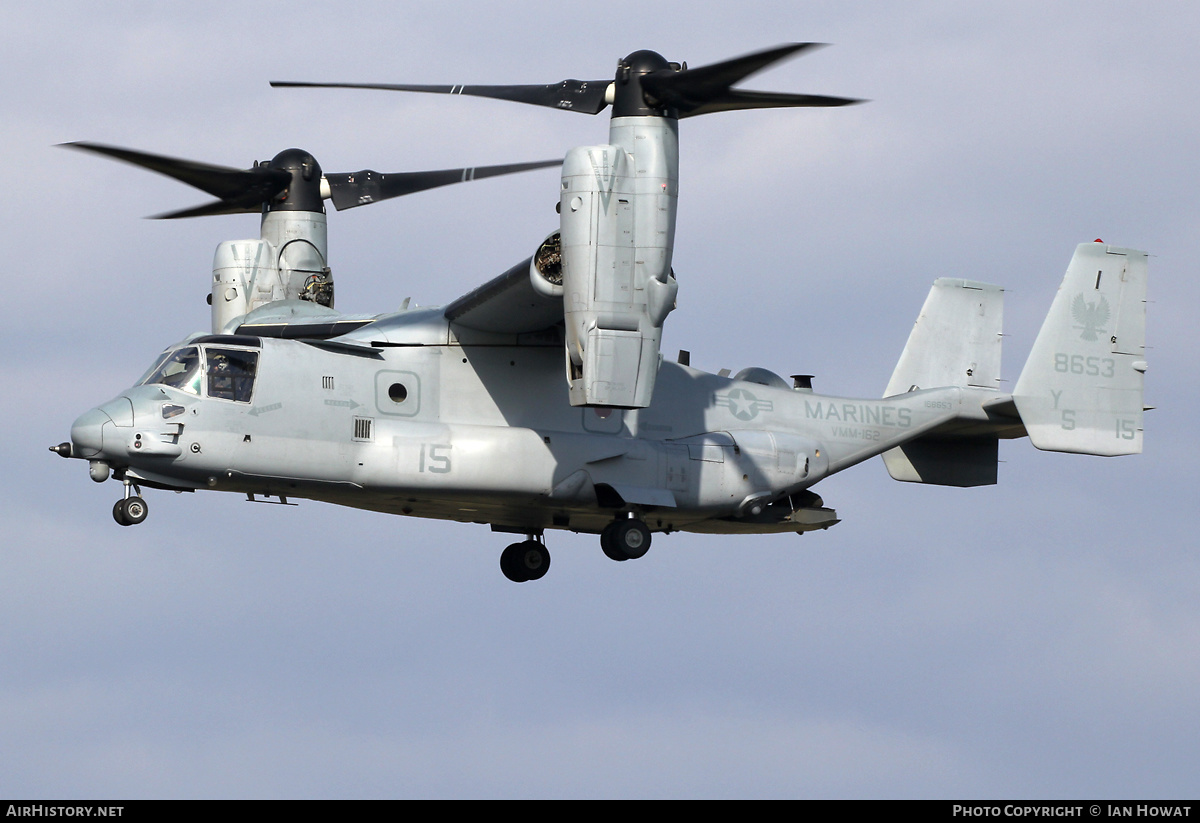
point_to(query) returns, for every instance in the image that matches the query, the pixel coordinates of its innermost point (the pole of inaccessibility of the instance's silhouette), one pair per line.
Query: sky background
(1037, 638)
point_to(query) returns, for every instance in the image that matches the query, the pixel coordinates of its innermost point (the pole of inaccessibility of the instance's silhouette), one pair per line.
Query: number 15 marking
(434, 458)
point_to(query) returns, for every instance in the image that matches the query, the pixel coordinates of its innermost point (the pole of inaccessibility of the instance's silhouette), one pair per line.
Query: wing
(523, 300)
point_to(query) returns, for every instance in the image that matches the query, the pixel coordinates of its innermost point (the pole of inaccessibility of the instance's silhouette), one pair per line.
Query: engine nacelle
(237, 266)
(286, 263)
(617, 210)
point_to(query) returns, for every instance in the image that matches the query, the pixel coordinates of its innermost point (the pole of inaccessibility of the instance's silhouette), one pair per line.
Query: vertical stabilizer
(1081, 389)
(956, 339)
(955, 342)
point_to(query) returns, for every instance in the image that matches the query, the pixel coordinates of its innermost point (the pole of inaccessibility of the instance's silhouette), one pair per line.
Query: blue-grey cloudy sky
(1036, 638)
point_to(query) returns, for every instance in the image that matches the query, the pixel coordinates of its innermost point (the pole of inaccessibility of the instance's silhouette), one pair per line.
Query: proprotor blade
(239, 190)
(724, 74)
(585, 96)
(737, 100)
(209, 209)
(646, 84)
(350, 189)
(706, 89)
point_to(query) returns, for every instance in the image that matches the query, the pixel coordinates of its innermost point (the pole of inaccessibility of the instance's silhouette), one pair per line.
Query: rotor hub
(304, 192)
(630, 99)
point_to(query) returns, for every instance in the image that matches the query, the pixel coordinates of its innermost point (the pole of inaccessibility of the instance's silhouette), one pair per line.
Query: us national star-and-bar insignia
(742, 404)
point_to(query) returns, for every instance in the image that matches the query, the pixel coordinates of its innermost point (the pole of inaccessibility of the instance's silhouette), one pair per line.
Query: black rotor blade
(584, 96)
(209, 209)
(736, 100)
(724, 74)
(239, 190)
(706, 89)
(350, 189)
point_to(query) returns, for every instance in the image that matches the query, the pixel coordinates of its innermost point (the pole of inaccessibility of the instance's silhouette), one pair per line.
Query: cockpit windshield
(179, 370)
(228, 374)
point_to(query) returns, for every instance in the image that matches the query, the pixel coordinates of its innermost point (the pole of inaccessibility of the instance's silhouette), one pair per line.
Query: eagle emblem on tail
(1090, 317)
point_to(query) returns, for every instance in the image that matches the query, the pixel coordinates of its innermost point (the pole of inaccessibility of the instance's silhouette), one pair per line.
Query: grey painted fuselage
(485, 433)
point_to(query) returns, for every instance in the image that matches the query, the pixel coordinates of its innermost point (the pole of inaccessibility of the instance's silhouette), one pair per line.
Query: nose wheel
(131, 509)
(529, 560)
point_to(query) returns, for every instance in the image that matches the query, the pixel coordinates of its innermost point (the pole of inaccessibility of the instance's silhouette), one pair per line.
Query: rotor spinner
(303, 193)
(629, 98)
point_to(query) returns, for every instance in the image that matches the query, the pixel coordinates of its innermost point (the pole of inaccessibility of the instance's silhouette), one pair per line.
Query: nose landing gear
(131, 509)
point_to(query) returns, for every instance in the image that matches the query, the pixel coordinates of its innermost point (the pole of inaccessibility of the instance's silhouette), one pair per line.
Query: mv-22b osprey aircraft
(540, 400)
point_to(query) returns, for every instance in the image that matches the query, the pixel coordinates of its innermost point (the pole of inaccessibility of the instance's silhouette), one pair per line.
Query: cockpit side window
(179, 370)
(231, 373)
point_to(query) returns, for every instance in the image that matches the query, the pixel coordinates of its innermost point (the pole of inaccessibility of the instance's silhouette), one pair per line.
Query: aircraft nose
(87, 434)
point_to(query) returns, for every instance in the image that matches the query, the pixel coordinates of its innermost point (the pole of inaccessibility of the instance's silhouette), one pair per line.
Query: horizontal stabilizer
(1082, 388)
(956, 339)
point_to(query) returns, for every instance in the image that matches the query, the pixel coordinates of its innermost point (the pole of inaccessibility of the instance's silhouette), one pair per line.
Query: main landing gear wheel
(625, 539)
(606, 544)
(130, 511)
(525, 561)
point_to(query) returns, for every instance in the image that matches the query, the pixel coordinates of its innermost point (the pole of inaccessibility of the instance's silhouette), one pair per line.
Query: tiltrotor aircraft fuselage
(541, 400)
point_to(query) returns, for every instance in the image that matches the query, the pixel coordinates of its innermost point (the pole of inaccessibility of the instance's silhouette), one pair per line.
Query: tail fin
(1081, 389)
(956, 340)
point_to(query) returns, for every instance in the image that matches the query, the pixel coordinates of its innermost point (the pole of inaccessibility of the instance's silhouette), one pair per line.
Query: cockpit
(212, 370)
